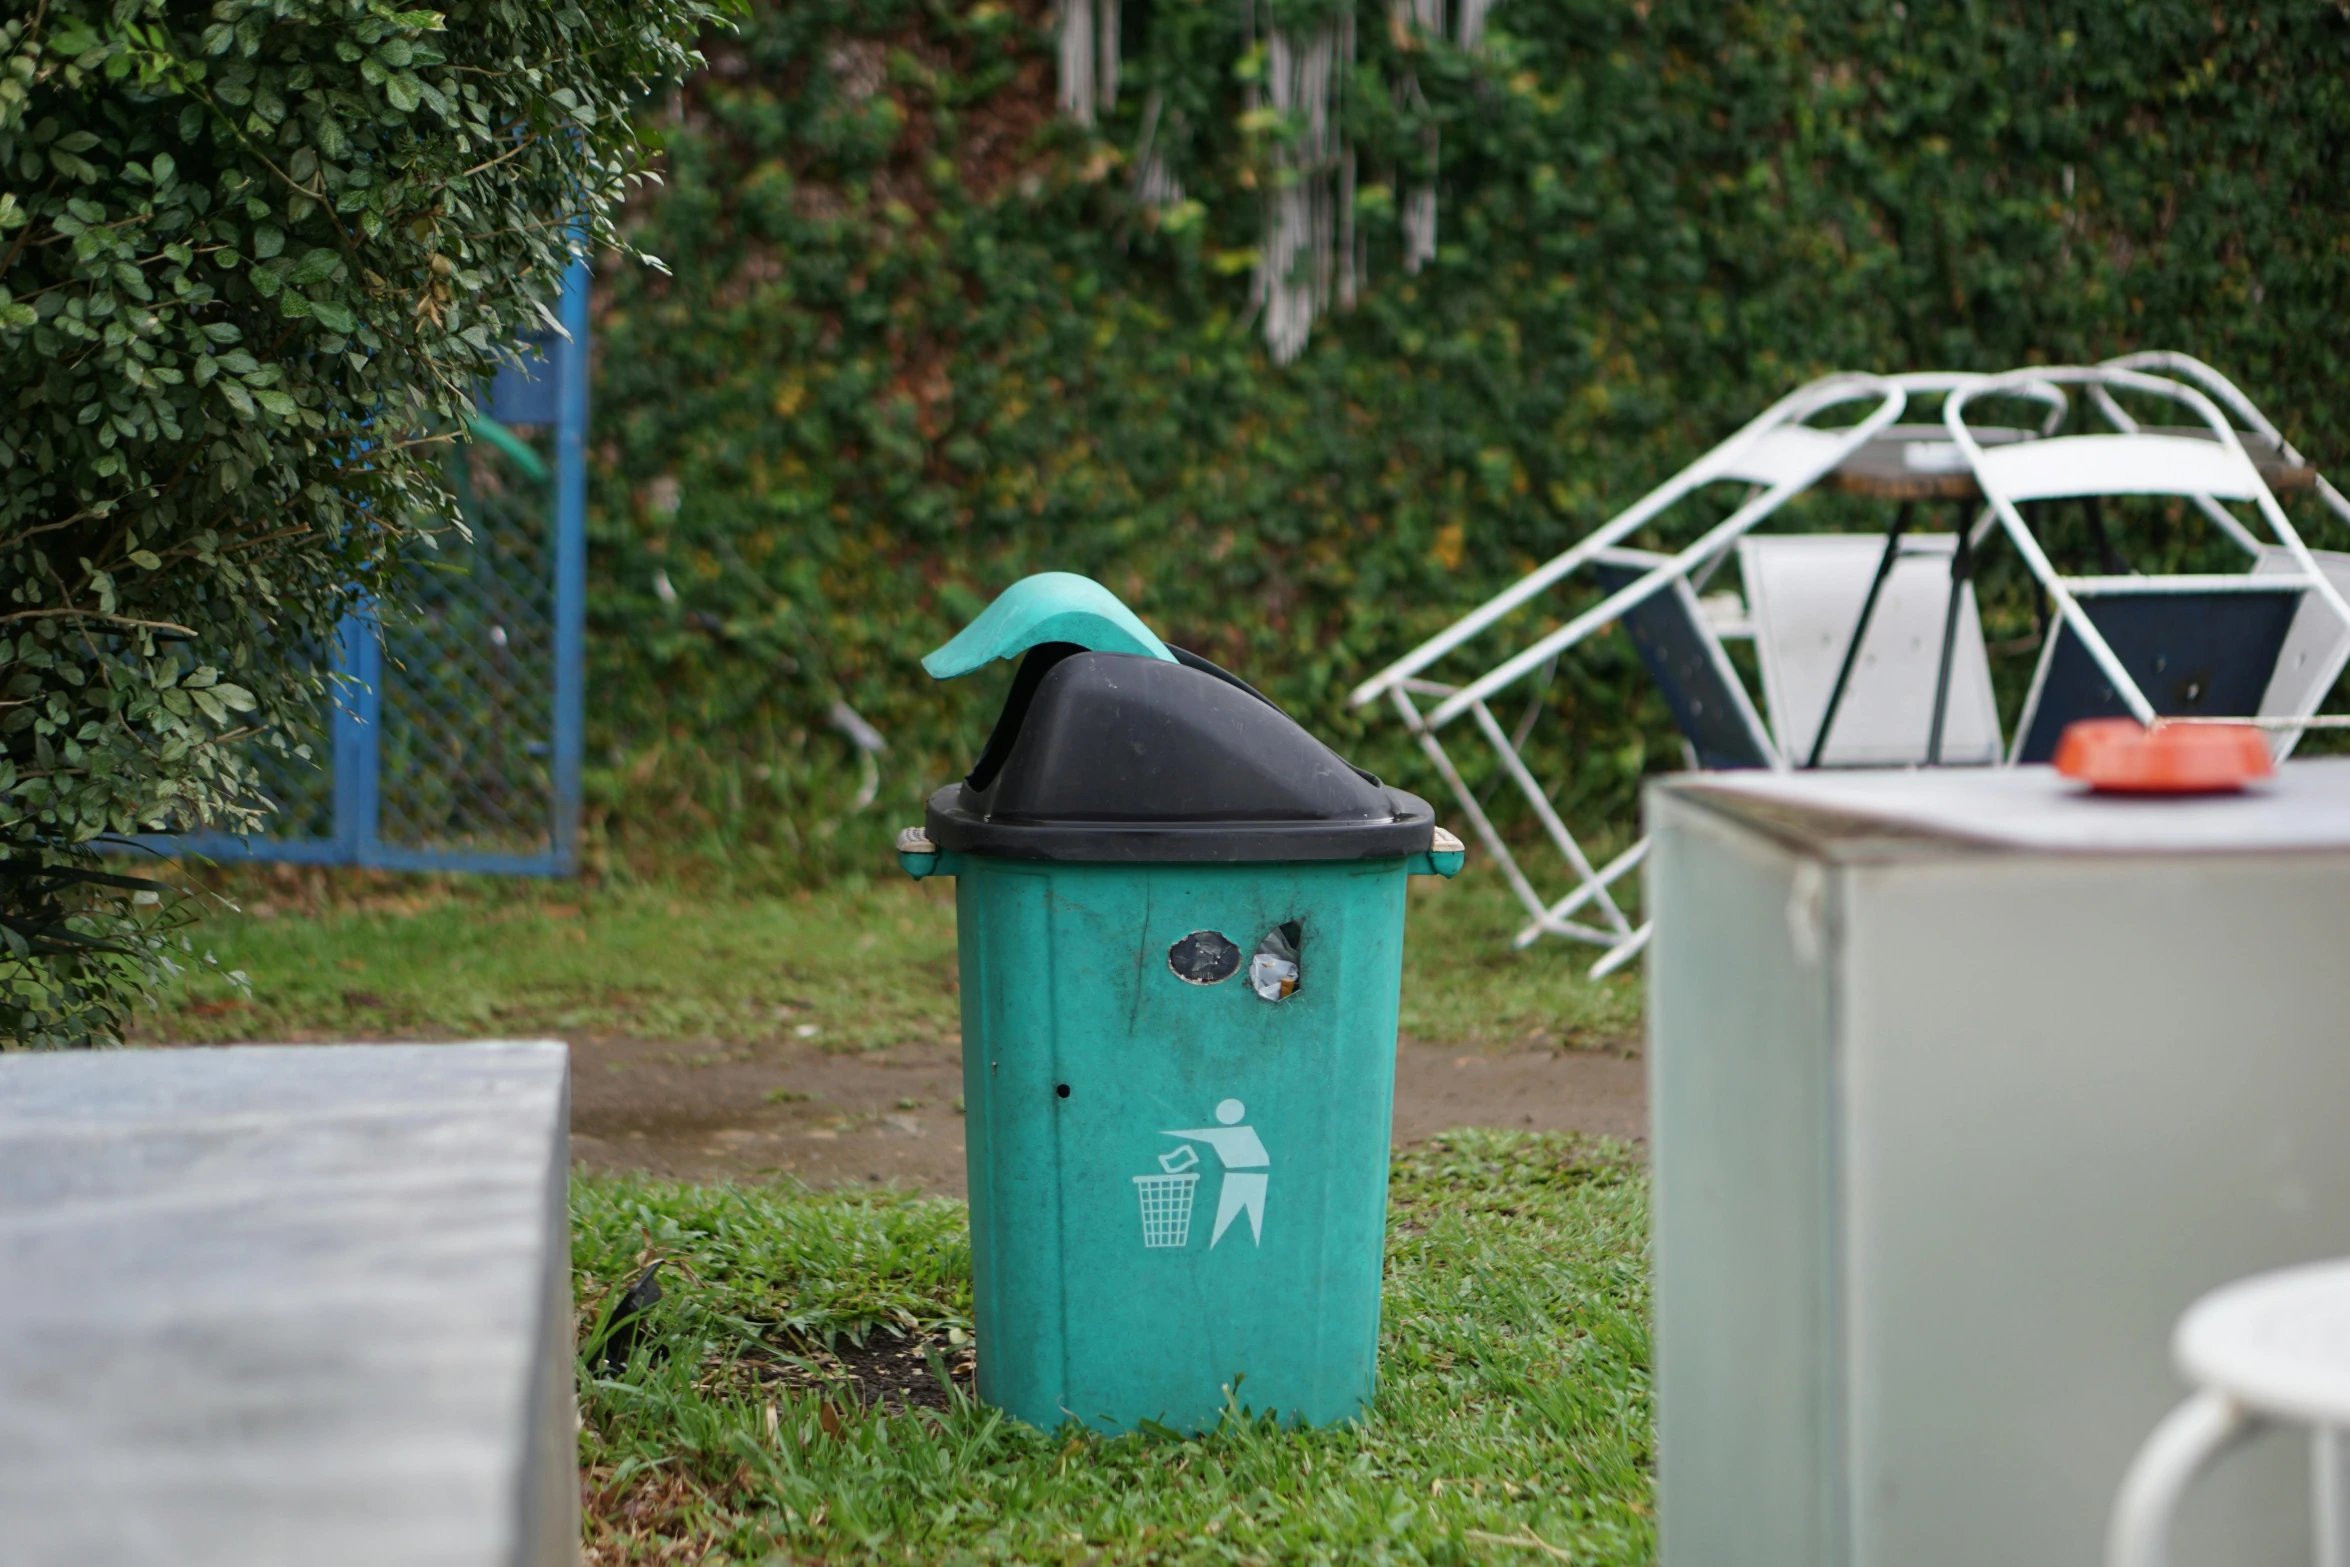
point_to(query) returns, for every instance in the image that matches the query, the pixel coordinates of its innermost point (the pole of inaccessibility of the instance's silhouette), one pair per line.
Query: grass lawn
(354, 955)
(1512, 1420)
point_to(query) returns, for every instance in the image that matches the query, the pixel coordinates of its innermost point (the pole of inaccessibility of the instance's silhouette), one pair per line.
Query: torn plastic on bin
(1276, 971)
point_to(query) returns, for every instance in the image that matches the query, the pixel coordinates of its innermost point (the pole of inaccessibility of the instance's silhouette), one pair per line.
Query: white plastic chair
(2209, 642)
(2274, 1348)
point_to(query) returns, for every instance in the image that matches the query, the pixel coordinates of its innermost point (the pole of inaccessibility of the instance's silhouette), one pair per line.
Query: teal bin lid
(1052, 606)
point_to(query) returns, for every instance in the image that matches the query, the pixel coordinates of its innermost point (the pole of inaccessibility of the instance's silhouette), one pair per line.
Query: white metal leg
(1606, 876)
(1567, 846)
(2329, 1456)
(1625, 952)
(2179, 1449)
(1478, 820)
(1542, 915)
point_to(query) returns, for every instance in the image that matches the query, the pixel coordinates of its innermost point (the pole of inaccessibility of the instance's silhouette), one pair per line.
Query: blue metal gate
(451, 737)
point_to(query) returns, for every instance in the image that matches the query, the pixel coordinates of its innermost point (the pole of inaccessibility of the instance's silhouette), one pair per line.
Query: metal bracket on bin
(1445, 856)
(920, 857)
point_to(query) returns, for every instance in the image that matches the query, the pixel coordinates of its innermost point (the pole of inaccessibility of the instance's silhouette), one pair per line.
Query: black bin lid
(1121, 757)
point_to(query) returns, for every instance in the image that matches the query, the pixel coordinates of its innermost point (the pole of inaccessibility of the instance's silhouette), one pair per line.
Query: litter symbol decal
(1167, 1197)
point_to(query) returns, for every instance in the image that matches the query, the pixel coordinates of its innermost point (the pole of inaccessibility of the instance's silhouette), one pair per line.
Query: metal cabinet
(1964, 1085)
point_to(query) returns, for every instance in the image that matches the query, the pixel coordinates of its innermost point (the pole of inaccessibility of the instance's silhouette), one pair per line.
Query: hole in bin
(1062, 1089)
(1205, 957)
(1277, 969)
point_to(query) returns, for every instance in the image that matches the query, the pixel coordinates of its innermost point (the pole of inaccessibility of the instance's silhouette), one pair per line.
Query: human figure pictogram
(1242, 1154)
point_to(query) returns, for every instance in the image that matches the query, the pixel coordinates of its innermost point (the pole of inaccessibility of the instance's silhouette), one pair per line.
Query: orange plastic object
(2122, 756)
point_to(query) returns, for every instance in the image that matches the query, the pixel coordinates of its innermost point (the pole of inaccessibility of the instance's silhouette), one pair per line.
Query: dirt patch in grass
(877, 1118)
(889, 1372)
(655, 1517)
(892, 1117)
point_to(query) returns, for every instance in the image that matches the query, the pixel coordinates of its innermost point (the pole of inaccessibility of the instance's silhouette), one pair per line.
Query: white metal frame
(2131, 462)
(1779, 454)
(2328, 647)
(2186, 367)
(1961, 613)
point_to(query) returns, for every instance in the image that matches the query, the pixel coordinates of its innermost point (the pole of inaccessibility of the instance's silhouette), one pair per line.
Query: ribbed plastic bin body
(1103, 1290)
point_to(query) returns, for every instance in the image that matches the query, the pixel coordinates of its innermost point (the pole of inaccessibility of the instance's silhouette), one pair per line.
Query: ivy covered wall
(920, 334)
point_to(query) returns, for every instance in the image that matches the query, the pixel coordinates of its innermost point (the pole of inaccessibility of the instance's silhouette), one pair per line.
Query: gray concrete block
(287, 1304)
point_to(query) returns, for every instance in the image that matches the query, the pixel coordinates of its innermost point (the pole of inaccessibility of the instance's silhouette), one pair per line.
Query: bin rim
(1410, 830)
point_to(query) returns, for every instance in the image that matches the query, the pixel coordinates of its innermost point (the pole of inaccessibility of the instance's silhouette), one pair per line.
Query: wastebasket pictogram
(1166, 1200)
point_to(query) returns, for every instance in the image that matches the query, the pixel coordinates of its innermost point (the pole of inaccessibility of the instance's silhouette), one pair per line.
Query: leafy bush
(253, 256)
(923, 338)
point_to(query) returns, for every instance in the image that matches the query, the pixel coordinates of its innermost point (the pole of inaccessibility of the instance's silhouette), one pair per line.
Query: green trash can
(1181, 925)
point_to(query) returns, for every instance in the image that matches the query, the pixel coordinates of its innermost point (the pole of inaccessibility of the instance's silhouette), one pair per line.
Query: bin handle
(919, 857)
(1052, 606)
(1444, 857)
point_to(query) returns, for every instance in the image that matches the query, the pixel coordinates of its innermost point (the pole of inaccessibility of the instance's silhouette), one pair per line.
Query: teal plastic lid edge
(1052, 606)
